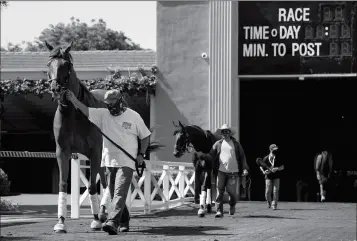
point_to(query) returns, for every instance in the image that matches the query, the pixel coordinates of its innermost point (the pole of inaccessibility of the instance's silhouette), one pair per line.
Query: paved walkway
(252, 222)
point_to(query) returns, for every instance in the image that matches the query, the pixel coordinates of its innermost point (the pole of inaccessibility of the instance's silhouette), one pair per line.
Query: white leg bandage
(94, 203)
(203, 198)
(209, 199)
(106, 198)
(62, 204)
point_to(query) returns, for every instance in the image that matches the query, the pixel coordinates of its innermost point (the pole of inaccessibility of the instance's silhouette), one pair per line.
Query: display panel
(297, 37)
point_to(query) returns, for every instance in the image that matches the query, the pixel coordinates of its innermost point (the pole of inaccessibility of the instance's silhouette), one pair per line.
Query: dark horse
(202, 141)
(73, 132)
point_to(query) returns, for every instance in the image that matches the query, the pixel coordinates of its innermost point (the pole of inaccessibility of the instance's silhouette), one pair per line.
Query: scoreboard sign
(297, 37)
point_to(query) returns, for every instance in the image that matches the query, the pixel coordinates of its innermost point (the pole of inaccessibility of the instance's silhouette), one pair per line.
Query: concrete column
(223, 71)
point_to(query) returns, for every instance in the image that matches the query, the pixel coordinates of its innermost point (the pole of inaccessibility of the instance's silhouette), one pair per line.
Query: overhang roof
(82, 60)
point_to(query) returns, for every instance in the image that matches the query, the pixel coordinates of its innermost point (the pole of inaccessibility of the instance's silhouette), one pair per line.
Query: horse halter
(63, 87)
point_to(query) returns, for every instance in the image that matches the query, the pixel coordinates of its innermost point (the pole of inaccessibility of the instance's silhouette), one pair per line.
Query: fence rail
(173, 187)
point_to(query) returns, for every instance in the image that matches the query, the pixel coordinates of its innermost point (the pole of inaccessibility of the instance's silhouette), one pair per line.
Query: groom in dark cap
(272, 176)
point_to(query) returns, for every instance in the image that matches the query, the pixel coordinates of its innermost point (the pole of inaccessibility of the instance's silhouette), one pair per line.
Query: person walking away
(323, 168)
(124, 126)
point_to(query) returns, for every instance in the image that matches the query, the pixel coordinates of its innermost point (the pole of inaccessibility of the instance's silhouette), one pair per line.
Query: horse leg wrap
(62, 204)
(106, 198)
(202, 211)
(94, 203)
(209, 199)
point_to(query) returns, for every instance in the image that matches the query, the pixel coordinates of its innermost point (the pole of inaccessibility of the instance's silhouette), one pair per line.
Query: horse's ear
(49, 46)
(181, 125)
(68, 48)
(173, 122)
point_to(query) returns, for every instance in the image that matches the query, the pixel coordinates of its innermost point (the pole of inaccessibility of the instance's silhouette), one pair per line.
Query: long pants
(119, 183)
(272, 186)
(229, 182)
(323, 185)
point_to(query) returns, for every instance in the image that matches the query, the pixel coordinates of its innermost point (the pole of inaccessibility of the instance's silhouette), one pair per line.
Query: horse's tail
(154, 146)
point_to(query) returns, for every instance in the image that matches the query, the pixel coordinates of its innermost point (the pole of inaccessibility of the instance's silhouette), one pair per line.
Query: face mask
(116, 108)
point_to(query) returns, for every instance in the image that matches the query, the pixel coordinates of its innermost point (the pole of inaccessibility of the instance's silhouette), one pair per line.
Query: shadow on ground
(268, 216)
(187, 210)
(182, 230)
(304, 209)
(43, 209)
(3, 225)
(5, 238)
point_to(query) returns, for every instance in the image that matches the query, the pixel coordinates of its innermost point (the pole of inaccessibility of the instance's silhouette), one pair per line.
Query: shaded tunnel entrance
(298, 116)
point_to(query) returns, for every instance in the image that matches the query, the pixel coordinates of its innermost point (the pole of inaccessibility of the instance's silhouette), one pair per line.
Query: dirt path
(253, 222)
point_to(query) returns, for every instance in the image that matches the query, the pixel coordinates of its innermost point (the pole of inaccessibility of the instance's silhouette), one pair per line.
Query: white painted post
(152, 124)
(147, 188)
(75, 187)
(182, 181)
(166, 182)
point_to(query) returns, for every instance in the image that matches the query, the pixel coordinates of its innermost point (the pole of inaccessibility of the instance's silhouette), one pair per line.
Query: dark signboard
(297, 37)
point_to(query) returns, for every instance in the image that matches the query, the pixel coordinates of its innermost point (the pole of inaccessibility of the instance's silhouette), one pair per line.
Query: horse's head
(59, 69)
(182, 140)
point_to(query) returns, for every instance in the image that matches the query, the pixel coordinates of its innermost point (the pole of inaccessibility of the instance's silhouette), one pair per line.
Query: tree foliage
(95, 36)
(3, 4)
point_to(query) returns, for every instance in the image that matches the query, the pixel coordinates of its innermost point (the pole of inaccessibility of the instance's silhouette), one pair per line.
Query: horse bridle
(64, 87)
(187, 144)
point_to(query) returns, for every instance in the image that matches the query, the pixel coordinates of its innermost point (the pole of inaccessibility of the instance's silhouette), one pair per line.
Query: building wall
(183, 78)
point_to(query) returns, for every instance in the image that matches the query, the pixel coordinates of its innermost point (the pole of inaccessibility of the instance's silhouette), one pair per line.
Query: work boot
(232, 210)
(110, 227)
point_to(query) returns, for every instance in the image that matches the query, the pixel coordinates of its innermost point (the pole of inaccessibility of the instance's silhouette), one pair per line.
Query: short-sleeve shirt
(123, 130)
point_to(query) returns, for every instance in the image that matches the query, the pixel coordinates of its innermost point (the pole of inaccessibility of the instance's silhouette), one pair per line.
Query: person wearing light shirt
(229, 162)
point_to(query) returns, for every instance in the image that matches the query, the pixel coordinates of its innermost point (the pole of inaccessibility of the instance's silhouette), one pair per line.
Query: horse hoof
(103, 217)
(201, 213)
(60, 228)
(96, 225)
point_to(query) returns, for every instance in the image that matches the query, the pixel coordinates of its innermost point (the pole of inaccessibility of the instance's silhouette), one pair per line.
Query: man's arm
(318, 163)
(242, 157)
(144, 143)
(79, 105)
(212, 155)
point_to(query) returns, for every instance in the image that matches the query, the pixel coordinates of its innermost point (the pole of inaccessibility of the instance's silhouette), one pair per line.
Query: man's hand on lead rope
(140, 159)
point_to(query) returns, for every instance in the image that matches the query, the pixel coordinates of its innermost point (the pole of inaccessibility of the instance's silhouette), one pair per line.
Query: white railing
(165, 187)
